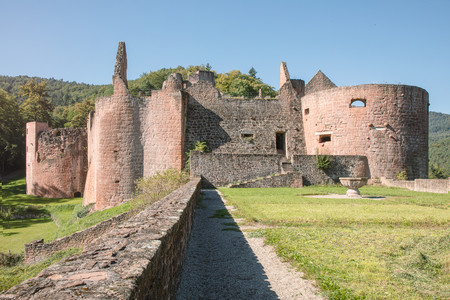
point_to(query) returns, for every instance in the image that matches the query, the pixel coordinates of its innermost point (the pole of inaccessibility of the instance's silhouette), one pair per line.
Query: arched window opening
(358, 103)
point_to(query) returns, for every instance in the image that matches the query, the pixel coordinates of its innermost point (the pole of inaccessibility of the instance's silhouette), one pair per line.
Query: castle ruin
(376, 129)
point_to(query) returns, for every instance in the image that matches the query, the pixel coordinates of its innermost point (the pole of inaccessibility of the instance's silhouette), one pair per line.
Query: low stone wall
(341, 166)
(139, 259)
(222, 169)
(441, 186)
(38, 250)
(291, 179)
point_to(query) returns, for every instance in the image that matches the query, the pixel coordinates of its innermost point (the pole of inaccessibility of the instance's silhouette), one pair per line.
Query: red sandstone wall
(164, 131)
(33, 129)
(115, 151)
(56, 161)
(392, 130)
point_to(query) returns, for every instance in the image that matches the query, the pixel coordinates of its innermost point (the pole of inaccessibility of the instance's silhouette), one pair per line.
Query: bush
(152, 189)
(402, 175)
(198, 146)
(81, 211)
(323, 162)
(10, 259)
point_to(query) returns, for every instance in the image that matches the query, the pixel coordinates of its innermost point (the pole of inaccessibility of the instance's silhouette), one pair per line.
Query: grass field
(392, 248)
(55, 217)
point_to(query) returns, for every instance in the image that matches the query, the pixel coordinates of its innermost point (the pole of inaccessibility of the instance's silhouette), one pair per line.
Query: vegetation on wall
(323, 162)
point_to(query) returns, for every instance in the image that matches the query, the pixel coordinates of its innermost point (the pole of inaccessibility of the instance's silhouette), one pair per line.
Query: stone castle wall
(220, 169)
(116, 151)
(391, 130)
(133, 137)
(56, 161)
(163, 133)
(237, 125)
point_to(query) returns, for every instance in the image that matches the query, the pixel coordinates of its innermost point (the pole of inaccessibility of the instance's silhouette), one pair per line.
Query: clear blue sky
(352, 42)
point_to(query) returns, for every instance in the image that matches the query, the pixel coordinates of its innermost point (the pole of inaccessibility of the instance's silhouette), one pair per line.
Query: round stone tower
(386, 123)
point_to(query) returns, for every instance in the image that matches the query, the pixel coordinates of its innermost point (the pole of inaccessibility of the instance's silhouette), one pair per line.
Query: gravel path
(222, 263)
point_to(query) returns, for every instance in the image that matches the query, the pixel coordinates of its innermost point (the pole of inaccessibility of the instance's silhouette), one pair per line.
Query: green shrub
(152, 189)
(82, 211)
(198, 146)
(402, 175)
(323, 162)
(10, 259)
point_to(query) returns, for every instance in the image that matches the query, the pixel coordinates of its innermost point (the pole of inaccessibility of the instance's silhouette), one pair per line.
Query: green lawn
(392, 248)
(58, 217)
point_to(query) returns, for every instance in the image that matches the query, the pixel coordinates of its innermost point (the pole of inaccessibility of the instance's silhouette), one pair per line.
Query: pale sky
(352, 42)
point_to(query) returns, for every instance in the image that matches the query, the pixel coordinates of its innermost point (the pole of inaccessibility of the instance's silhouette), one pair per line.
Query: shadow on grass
(8, 234)
(23, 223)
(14, 193)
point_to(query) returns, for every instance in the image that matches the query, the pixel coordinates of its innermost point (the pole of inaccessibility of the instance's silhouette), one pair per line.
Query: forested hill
(64, 93)
(61, 93)
(439, 141)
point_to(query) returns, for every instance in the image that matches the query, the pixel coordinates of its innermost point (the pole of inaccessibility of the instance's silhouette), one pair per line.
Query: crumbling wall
(141, 258)
(391, 129)
(117, 151)
(237, 125)
(163, 131)
(56, 161)
(340, 166)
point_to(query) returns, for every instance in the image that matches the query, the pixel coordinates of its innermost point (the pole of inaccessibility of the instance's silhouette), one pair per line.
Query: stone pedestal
(353, 183)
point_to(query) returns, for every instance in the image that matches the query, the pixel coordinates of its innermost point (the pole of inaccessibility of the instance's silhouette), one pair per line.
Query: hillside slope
(439, 141)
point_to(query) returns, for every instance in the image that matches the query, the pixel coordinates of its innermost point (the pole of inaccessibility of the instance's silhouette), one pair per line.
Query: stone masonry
(56, 161)
(131, 137)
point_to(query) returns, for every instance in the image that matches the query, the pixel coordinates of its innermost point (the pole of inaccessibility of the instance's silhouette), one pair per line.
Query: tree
(252, 72)
(82, 111)
(35, 106)
(437, 173)
(237, 84)
(12, 142)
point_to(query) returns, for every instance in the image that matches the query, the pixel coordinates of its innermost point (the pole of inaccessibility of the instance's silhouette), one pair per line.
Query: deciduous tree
(11, 132)
(35, 107)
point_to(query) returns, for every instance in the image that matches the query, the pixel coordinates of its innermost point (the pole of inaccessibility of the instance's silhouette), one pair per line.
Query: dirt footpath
(223, 263)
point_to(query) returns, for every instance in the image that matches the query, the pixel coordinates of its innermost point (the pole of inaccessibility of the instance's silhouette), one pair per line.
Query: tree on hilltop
(236, 84)
(12, 141)
(35, 107)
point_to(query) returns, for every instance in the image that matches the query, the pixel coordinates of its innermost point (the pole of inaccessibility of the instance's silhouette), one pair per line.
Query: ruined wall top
(120, 69)
(174, 82)
(202, 76)
(319, 82)
(284, 74)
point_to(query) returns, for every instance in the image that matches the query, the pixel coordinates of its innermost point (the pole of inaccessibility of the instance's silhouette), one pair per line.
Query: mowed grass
(59, 217)
(392, 248)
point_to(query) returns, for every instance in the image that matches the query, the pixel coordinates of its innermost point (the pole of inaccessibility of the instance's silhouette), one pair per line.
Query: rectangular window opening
(307, 111)
(324, 138)
(281, 143)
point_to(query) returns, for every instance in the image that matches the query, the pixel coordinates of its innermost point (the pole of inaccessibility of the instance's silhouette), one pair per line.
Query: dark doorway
(77, 194)
(281, 143)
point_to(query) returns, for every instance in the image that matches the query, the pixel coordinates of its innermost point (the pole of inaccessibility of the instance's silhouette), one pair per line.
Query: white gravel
(225, 264)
